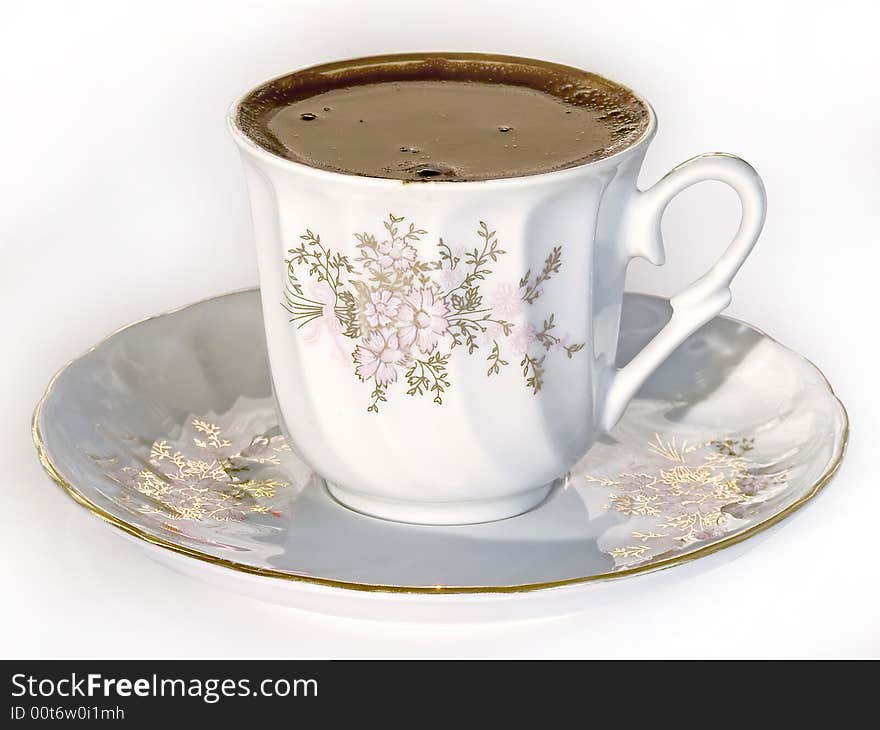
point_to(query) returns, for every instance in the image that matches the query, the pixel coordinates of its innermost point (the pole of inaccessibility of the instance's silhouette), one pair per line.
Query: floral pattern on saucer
(406, 313)
(205, 476)
(682, 494)
(677, 495)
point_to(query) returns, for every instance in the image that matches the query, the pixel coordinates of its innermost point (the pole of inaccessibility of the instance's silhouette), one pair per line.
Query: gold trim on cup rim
(134, 531)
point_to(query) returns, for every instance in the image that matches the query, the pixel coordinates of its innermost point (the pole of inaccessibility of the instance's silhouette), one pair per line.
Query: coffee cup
(443, 351)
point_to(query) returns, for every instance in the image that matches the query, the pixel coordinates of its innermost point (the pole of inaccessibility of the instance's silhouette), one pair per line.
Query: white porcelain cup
(444, 352)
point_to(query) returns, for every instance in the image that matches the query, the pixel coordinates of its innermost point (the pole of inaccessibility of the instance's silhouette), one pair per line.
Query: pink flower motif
(712, 532)
(750, 485)
(492, 334)
(422, 319)
(382, 308)
(561, 343)
(396, 254)
(451, 278)
(377, 356)
(328, 322)
(507, 300)
(520, 339)
(452, 272)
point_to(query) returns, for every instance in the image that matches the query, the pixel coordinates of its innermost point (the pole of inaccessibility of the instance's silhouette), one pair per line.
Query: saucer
(167, 430)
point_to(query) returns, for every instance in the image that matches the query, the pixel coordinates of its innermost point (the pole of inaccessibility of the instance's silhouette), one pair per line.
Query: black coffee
(449, 117)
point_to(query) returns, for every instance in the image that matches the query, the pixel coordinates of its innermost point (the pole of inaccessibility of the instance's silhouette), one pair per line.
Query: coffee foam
(625, 115)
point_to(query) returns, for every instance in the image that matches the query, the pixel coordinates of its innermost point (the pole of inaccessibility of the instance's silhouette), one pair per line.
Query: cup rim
(248, 144)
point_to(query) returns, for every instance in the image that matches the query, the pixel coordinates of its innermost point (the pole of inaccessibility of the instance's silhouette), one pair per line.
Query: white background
(122, 196)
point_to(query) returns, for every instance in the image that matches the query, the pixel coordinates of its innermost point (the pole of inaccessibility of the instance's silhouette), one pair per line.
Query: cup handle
(707, 296)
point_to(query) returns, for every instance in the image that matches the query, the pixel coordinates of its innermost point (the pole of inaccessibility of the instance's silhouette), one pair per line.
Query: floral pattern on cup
(406, 312)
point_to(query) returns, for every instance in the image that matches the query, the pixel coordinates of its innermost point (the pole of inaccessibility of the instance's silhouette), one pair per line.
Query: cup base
(439, 513)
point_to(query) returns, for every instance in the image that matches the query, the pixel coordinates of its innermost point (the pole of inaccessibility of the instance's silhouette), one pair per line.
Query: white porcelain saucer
(168, 431)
